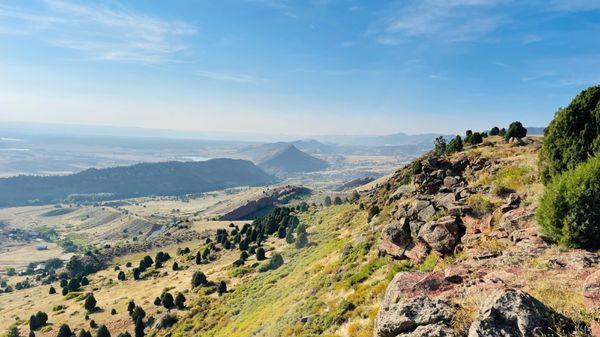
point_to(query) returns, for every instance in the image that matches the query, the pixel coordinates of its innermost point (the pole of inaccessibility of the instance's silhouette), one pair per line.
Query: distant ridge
(533, 130)
(167, 178)
(289, 159)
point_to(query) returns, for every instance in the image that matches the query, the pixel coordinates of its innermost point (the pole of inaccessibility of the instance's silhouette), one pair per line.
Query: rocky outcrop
(428, 211)
(420, 316)
(269, 199)
(514, 313)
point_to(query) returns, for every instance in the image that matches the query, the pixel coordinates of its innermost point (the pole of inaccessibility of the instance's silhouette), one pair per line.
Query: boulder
(395, 238)
(445, 200)
(427, 213)
(441, 235)
(514, 313)
(451, 181)
(417, 206)
(420, 316)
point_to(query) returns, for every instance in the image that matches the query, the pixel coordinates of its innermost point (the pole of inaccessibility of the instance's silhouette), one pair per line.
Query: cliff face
(473, 262)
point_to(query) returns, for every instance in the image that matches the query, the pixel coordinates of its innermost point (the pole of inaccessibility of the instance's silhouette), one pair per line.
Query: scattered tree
(51, 291)
(64, 331)
(439, 146)
(103, 331)
(84, 333)
(302, 239)
(494, 131)
(260, 254)
(455, 145)
(180, 301)
(139, 328)
(90, 303)
(130, 307)
(327, 202)
(198, 279)
(222, 288)
(167, 300)
(515, 130)
(337, 200)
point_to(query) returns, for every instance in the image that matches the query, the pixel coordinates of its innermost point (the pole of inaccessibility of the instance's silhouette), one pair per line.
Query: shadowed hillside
(168, 178)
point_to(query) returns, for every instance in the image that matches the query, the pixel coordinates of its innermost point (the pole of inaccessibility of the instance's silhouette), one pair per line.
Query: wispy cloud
(230, 77)
(575, 5)
(447, 20)
(282, 6)
(105, 33)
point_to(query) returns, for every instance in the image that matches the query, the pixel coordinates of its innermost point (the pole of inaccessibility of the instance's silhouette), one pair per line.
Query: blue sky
(296, 67)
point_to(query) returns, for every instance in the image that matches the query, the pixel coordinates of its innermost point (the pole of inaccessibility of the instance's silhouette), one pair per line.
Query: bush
(569, 211)
(480, 205)
(222, 288)
(167, 321)
(198, 279)
(439, 146)
(510, 179)
(572, 136)
(515, 129)
(64, 331)
(260, 254)
(103, 331)
(455, 145)
(180, 301)
(167, 300)
(90, 302)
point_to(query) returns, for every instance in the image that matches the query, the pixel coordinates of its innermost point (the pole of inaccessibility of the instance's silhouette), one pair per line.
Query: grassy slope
(335, 292)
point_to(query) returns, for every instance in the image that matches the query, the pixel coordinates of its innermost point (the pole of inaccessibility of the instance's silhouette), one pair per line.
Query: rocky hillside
(471, 259)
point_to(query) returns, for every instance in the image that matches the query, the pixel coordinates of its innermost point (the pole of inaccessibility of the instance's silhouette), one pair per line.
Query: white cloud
(105, 33)
(447, 20)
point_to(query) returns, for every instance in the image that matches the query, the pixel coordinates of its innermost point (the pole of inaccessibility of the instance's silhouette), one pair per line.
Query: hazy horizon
(273, 66)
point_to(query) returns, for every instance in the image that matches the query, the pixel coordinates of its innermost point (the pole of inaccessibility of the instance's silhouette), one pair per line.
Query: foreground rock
(591, 296)
(420, 316)
(513, 313)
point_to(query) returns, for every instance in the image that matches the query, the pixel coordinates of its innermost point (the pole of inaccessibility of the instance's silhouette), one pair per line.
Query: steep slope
(168, 178)
(473, 260)
(290, 160)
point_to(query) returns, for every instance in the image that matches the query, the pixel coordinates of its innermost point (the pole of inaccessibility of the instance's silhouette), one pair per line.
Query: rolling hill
(167, 178)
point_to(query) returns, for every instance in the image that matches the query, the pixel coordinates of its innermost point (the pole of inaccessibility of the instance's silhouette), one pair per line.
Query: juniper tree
(103, 331)
(198, 279)
(180, 301)
(222, 288)
(167, 300)
(64, 331)
(90, 302)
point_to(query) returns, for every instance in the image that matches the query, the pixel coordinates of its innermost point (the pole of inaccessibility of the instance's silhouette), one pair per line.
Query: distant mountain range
(396, 139)
(289, 159)
(166, 178)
